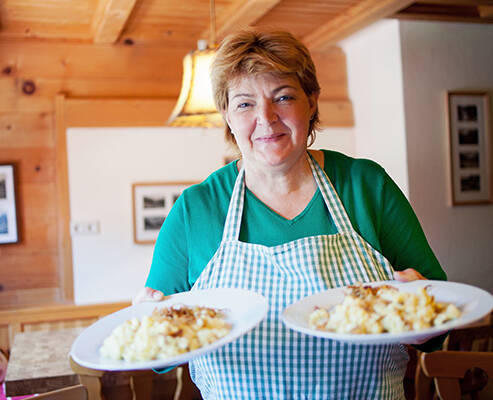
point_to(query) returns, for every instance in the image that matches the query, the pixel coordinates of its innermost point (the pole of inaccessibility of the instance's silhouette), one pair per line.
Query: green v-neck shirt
(378, 211)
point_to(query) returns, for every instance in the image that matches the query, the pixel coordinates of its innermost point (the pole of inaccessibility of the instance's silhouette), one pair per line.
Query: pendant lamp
(195, 106)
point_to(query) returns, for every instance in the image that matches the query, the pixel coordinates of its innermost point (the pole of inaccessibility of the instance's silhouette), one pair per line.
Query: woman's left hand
(408, 275)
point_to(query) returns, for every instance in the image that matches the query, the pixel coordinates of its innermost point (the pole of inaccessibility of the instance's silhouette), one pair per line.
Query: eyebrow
(275, 91)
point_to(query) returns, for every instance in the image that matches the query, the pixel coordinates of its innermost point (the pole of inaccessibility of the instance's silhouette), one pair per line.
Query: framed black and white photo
(8, 212)
(470, 147)
(152, 202)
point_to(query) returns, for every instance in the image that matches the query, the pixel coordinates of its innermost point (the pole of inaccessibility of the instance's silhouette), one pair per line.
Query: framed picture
(470, 147)
(151, 205)
(8, 213)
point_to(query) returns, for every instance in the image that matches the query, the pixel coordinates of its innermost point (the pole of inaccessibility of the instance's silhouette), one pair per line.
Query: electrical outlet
(85, 228)
(93, 227)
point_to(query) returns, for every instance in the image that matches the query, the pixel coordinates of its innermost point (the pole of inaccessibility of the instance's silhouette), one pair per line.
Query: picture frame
(9, 232)
(470, 147)
(151, 204)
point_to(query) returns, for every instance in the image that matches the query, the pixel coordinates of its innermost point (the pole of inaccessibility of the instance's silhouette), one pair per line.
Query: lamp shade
(195, 106)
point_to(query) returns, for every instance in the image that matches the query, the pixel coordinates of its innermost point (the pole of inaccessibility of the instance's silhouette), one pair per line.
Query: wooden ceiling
(180, 23)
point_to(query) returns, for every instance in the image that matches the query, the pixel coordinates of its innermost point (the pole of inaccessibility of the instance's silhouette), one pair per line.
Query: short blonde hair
(251, 52)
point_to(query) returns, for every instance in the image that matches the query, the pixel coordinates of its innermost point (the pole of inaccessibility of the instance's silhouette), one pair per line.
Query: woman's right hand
(148, 294)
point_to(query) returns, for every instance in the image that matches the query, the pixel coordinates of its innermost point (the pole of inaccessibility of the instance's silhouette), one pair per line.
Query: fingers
(408, 275)
(148, 294)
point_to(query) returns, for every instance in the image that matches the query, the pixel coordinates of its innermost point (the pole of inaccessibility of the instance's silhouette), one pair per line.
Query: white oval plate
(244, 309)
(475, 303)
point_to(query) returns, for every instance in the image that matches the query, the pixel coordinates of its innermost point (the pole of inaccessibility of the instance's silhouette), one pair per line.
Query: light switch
(85, 228)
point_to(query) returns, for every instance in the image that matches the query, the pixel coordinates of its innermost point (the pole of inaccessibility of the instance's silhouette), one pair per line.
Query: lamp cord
(212, 43)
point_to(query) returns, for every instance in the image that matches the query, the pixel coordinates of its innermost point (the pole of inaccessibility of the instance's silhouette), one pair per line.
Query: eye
(285, 98)
(243, 105)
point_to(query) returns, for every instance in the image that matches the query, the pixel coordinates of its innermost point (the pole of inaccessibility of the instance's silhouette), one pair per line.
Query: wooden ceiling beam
(353, 19)
(109, 20)
(485, 11)
(409, 16)
(456, 2)
(240, 14)
(428, 11)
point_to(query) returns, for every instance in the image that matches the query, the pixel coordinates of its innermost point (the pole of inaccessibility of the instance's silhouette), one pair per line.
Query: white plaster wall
(338, 139)
(373, 57)
(103, 163)
(438, 57)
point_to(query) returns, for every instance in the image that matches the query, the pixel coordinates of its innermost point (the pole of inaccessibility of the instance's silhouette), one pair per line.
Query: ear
(313, 101)
(225, 115)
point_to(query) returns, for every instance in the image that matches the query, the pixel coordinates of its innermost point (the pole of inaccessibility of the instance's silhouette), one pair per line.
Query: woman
(287, 222)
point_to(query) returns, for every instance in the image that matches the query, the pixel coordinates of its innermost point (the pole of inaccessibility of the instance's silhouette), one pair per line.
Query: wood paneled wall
(50, 318)
(104, 83)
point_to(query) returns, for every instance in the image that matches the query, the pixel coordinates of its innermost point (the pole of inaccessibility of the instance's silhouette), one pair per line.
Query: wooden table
(39, 362)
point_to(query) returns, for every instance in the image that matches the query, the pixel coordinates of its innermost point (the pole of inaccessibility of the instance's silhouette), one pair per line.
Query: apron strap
(235, 211)
(332, 201)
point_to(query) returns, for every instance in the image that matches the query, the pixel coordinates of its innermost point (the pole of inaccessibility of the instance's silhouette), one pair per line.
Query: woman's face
(269, 117)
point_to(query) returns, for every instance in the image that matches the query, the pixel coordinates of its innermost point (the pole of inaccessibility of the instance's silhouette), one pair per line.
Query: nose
(266, 114)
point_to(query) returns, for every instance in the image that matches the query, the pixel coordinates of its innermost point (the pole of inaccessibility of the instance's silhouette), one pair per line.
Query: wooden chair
(77, 392)
(141, 382)
(478, 337)
(446, 368)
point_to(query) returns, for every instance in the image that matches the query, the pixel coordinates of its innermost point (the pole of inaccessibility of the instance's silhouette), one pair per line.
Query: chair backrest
(77, 392)
(447, 367)
(478, 338)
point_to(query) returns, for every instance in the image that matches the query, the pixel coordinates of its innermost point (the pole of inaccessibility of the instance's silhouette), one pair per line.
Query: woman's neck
(286, 192)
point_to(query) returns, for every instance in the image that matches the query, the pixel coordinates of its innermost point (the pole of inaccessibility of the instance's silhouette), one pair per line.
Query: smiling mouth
(270, 138)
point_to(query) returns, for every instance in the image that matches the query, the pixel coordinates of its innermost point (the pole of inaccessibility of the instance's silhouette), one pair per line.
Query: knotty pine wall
(32, 74)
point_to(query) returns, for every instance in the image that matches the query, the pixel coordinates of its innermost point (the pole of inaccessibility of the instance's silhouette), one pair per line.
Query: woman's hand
(408, 275)
(148, 294)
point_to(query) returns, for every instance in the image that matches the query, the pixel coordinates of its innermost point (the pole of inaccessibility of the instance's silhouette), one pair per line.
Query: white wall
(440, 57)
(375, 88)
(338, 139)
(103, 163)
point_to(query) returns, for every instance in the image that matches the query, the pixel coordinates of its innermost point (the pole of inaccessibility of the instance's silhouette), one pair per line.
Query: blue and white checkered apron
(272, 361)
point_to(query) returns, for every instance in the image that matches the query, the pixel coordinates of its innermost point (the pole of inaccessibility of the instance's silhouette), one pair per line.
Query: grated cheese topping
(168, 332)
(381, 309)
